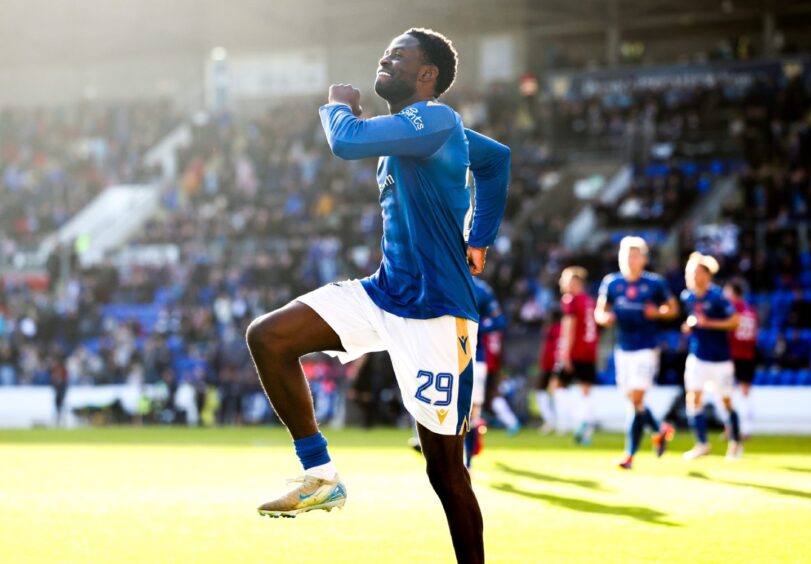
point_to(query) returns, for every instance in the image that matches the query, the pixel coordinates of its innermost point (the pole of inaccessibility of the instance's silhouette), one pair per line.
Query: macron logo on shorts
(441, 414)
(463, 342)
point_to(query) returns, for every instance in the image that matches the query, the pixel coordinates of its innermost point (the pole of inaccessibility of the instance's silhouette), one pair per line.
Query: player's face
(398, 69)
(632, 261)
(565, 284)
(696, 277)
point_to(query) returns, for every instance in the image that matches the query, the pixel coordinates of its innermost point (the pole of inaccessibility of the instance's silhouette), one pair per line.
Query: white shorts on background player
(635, 370)
(703, 375)
(479, 382)
(432, 358)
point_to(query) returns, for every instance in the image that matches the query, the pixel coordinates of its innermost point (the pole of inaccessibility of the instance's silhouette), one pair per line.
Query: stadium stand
(259, 212)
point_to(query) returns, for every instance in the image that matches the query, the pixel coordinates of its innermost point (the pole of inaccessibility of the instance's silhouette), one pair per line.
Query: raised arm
(418, 131)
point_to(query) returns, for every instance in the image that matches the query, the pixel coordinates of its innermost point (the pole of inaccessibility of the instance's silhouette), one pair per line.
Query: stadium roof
(75, 32)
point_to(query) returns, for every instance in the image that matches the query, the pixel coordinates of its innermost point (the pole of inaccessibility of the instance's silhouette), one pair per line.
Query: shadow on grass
(644, 514)
(763, 487)
(589, 484)
(797, 469)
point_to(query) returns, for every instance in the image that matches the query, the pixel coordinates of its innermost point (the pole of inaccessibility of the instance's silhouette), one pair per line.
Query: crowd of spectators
(262, 212)
(54, 161)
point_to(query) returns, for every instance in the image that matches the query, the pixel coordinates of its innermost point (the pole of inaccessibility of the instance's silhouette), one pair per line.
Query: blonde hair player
(711, 316)
(635, 300)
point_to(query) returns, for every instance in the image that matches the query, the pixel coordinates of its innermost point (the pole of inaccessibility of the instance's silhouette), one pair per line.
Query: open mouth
(383, 73)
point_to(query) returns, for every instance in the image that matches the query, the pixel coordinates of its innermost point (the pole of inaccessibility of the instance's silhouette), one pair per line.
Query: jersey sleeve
(605, 290)
(490, 165)
(417, 131)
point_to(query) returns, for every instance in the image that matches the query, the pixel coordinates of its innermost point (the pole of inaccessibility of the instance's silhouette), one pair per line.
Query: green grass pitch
(189, 495)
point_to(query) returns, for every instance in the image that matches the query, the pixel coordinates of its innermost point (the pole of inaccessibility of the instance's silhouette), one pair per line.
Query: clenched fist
(476, 257)
(346, 94)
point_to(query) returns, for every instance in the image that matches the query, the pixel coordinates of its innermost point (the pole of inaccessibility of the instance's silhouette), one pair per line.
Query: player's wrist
(334, 102)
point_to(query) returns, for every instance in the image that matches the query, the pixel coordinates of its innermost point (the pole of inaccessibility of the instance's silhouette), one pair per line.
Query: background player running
(491, 319)
(743, 349)
(710, 318)
(635, 300)
(549, 386)
(577, 348)
(420, 305)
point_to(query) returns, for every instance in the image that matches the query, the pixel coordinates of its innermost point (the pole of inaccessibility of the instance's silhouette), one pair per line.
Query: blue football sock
(635, 429)
(470, 445)
(734, 426)
(650, 420)
(312, 450)
(699, 424)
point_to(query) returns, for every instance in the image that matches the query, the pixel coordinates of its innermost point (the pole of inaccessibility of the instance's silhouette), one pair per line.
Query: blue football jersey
(491, 316)
(627, 300)
(711, 345)
(424, 155)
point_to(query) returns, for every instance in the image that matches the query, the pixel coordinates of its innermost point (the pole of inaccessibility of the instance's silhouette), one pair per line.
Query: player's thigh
(723, 377)
(433, 362)
(636, 370)
(296, 328)
(442, 452)
(347, 309)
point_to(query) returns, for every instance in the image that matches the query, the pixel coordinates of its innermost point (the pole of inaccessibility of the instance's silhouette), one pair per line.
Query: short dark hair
(736, 286)
(439, 51)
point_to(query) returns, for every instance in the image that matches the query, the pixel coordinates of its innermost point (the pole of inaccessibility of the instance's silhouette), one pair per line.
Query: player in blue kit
(420, 305)
(635, 300)
(491, 318)
(711, 316)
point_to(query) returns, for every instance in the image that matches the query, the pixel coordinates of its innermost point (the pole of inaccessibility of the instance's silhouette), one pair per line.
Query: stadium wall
(778, 410)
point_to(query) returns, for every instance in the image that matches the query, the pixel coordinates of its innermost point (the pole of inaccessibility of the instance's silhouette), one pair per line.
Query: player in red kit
(548, 382)
(743, 347)
(577, 348)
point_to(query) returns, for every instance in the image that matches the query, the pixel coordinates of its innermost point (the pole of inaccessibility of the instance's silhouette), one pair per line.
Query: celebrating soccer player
(420, 305)
(635, 300)
(710, 319)
(577, 347)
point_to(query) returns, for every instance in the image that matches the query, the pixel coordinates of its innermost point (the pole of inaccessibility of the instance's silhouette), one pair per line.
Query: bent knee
(265, 332)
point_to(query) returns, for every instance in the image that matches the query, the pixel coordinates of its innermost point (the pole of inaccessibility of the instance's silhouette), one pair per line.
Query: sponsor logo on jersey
(413, 115)
(632, 292)
(388, 181)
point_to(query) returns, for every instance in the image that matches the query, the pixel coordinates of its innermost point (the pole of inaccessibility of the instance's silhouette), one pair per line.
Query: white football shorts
(479, 382)
(703, 375)
(636, 370)
(432, 358)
